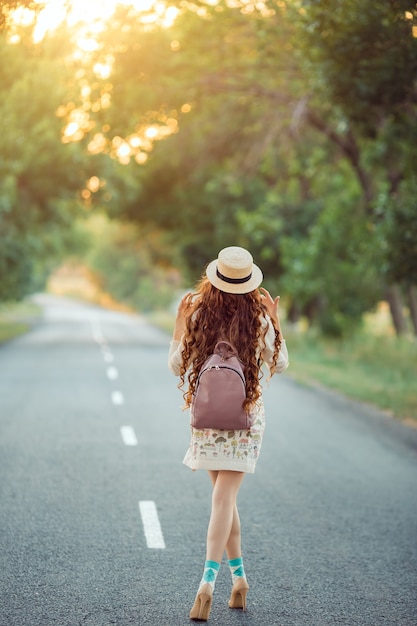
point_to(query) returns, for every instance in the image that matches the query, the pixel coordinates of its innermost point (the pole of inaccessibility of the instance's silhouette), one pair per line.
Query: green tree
(134, 265)
(40, 176)
(362, 69)
(281, 132)
(212, 73)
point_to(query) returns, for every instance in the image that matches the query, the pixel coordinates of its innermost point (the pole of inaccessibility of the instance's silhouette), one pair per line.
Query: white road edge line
(117, 397)
(151, 525)
(128, 436)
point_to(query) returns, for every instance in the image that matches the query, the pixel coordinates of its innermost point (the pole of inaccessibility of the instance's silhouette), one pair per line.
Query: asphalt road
(102, 524)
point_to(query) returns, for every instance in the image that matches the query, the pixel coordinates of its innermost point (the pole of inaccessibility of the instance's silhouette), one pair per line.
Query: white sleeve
(283, 360)
(175, 357)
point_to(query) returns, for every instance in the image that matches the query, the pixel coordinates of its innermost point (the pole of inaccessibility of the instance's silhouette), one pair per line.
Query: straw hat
(234, 271)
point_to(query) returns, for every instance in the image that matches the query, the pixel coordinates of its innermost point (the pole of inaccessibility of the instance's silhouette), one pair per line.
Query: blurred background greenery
(137, 138)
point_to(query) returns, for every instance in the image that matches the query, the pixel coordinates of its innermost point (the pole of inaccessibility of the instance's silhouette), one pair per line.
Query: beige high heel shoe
(202, 603)
(238, 595)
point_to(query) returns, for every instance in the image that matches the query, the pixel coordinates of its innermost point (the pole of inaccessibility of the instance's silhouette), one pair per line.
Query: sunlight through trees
(287, 127)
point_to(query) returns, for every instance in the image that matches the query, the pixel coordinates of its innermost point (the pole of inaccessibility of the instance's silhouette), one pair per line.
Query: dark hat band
(233, 281)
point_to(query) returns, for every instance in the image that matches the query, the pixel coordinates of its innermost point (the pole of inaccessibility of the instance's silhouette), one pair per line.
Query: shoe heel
(238, 595)
(202, 606)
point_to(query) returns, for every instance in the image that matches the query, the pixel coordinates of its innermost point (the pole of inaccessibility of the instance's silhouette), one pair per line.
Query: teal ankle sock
(236, 569)
(211, 569)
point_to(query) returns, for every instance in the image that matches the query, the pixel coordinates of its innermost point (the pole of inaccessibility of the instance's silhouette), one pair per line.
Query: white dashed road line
(117, 397)
(128, 436)
(147, 508)
(112, 373)
(96, 331)
(107, 356)
(151, 525)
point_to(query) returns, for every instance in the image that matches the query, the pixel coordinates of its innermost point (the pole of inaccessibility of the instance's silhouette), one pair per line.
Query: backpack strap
(225, 349)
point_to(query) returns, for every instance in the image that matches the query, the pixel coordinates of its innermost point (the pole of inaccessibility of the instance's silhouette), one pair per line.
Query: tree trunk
(293, 314)
(412, 303)
(393, 295)
(350, 149)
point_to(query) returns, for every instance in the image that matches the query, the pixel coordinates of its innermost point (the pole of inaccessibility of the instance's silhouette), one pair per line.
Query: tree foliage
(286, 127)
(39, 175)
(8, 6)
(133, 264)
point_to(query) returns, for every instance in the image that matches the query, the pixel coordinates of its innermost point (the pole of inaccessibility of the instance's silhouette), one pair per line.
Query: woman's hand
(183, 313)
(272, 307)
(271, 304)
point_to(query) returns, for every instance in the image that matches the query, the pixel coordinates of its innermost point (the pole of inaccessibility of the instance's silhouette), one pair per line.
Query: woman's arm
(184, 311)
(175, 357)
(176, 347)
(272, 306)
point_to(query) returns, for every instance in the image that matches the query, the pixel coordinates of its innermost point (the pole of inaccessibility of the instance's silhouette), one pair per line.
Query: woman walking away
(229, 315)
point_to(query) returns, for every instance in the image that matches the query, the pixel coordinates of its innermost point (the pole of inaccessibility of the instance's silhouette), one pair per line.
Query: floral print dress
(227, 449)
(236, 450)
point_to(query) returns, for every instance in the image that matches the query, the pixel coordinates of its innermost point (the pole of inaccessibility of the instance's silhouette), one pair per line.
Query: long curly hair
(236, 318)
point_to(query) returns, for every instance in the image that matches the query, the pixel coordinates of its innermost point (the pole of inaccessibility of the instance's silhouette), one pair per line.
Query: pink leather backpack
(220, 392)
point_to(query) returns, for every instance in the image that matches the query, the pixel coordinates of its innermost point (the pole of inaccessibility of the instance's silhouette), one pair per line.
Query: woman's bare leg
(234, 542)
(223, 534)
(224, 526)
(225, 516)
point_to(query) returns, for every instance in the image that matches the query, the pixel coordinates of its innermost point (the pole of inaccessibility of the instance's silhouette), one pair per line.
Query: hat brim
(254, 281)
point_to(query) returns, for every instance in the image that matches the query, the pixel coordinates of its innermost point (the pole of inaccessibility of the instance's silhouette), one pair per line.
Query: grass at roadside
(381, 371)
(16, 319)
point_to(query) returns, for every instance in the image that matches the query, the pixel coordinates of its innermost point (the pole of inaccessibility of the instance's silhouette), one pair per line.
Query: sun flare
(87, 19)
(90, 16)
